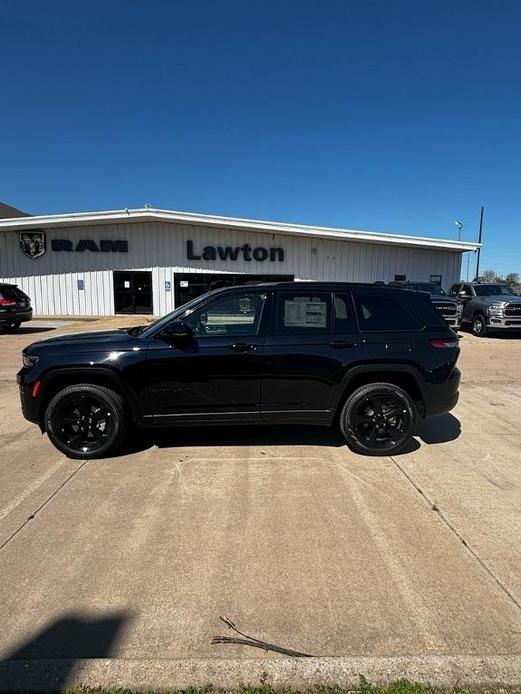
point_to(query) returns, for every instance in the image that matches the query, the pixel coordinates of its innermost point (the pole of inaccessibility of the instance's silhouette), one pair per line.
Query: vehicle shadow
(437, 429)
(34, 329)
(60, 644)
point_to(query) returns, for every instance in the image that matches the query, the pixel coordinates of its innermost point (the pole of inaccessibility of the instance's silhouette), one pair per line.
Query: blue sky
(396, 115)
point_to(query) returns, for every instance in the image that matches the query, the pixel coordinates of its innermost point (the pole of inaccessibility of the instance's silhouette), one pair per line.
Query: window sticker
(300, 312)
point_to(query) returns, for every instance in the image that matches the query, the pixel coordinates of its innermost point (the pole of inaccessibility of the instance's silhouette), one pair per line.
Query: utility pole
(479, 239)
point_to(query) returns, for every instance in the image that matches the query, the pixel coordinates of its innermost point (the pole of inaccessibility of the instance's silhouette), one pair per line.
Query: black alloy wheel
(479, 325)
(378, 419)
(85, 421)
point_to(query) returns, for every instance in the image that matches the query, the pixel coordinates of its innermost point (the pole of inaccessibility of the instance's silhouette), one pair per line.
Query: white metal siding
(160, 247)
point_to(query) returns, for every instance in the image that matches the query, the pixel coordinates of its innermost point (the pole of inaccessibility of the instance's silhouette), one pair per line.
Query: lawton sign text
(246, 252)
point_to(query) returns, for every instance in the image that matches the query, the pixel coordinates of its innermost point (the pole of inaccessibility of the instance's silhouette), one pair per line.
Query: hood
(500, 298)
(89, 340)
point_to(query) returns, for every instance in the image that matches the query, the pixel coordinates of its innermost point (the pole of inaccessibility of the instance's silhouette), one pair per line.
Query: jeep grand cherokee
(368, 359)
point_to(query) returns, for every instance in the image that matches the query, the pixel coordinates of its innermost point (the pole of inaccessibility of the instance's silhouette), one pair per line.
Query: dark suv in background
(367, 359)
(488, 306)
(449, 308)
(15, 308)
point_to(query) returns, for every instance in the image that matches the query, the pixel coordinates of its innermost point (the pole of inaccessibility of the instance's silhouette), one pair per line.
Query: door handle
(243, 347)
(342, 344)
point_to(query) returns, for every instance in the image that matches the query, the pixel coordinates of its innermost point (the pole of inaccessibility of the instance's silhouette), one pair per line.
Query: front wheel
(378, 419)
(86, 421)
(479, 325)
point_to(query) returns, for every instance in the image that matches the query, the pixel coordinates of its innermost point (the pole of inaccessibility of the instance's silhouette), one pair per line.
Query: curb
(479, 672)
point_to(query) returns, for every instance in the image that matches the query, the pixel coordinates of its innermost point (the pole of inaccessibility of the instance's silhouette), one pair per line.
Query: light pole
(460, 227)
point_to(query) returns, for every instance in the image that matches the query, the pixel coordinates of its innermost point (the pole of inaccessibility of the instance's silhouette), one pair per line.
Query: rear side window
(344, 315)
(303, 314)
(381, 313)
(13, 293)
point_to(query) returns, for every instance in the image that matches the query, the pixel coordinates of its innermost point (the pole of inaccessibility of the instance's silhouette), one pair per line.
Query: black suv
(450, 309)
(368, 359)
(15, 308)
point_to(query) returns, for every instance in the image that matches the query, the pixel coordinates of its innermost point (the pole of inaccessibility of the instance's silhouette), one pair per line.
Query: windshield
(433, 289)
(160, 322)
(493, 290)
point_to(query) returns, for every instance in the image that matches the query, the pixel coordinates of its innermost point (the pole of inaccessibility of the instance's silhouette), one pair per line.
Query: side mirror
(177, 330)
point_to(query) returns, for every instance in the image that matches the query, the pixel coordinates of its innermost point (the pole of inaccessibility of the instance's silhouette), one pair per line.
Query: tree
(512, 279)
(491, 276)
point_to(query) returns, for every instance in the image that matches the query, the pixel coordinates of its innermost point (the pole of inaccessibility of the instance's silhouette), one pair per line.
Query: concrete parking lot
(116, 571)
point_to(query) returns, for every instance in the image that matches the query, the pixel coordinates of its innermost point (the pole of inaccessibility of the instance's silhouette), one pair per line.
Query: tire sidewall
(110, 399)
(354, 401)
(481, 318)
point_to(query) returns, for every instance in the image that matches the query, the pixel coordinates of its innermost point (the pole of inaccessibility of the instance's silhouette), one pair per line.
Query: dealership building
(149, 261)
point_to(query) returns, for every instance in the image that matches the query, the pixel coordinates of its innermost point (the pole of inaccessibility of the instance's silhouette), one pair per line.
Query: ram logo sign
(32, 243)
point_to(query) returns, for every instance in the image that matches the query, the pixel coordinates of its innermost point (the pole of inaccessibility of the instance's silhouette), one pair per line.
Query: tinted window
(429, 287)
(376, 313)
(234, 314)
(303, 314)
(8, 292)
(455, 289)
(344, 314)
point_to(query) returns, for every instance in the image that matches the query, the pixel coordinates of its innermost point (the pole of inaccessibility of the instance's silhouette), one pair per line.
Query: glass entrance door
(189, 285)
(132, 292)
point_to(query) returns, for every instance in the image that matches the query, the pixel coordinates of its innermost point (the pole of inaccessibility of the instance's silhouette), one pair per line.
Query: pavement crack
(436, 509)
(33, 515)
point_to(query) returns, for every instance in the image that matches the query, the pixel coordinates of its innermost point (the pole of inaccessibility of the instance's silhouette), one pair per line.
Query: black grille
(513, 310)
(446, 309)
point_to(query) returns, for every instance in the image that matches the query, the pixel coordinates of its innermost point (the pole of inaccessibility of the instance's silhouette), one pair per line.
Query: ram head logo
(32, 243)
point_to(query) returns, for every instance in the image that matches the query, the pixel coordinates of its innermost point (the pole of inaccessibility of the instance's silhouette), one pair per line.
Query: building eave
(234, 223)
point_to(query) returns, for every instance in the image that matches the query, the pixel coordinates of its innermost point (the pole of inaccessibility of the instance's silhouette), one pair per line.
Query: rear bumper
(8, 317)
(443, 397)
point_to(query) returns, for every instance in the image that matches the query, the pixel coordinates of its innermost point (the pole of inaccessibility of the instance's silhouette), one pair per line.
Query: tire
(374, 410)
(11, 327)
(479, 325)
(86, 421)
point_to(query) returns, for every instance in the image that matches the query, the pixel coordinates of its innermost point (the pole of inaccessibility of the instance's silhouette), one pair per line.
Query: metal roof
(150, 214)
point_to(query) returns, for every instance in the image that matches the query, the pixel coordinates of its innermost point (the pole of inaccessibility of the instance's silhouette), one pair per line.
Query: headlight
(28, 361)
(496, 310)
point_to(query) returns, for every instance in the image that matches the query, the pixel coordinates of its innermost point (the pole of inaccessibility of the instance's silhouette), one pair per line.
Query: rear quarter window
(382, 313)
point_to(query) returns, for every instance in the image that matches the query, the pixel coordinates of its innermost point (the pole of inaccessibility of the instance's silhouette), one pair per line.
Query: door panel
(217, 371)
(305, 363)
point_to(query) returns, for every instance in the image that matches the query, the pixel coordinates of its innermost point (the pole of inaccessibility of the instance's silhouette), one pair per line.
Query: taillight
(7, 302)
(444, 344)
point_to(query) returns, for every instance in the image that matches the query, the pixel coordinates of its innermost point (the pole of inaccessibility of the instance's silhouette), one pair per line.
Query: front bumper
(443, 397)
(504, 323)
(30, 405)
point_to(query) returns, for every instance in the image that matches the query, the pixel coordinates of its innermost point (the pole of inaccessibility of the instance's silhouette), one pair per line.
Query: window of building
(344, 315)
(378, 313)
(303, 314)
(436, 279)
(400, 278)
(235, 314)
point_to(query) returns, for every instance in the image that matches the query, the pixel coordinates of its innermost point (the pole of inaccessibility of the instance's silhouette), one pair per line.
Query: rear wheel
(11, 327)
(479, 325)
(86, 421)
(378, 419)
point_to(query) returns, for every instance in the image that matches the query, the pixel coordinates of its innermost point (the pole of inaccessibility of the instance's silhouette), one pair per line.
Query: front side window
(303, 314)
(234, 315)
(380, 313)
